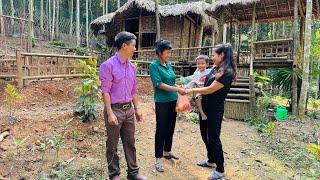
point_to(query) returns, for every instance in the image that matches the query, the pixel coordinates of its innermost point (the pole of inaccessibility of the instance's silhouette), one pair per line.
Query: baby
(198, 78)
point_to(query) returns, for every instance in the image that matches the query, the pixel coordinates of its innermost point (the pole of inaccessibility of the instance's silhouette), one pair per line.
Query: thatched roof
(197, 8)
(267, 10)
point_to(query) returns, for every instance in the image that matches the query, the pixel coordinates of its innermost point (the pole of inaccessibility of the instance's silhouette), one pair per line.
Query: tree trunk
(50, 19)
(41, 17)
(1, 19)
(90, 9)
(58, 19)
(306, 61)
(251, 77)
(24, 9)
(78, 23)
(157, 19)
(118, 5)
(71, 18)
(30, 24)
(87, 23)
(317, 95)
(31, 16)
(106, 6)
(53, 18)
(12, 14)
(294, 99)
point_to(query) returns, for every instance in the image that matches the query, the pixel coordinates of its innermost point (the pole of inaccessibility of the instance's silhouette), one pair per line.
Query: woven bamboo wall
(236, 110)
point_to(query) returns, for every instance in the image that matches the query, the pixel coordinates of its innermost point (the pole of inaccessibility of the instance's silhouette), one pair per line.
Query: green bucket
(281, 113)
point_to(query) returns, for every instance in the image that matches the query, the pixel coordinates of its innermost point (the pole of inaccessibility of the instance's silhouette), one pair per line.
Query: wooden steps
(238, 99)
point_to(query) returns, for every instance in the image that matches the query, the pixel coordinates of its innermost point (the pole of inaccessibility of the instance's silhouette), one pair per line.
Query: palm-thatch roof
(198, 8)
(267, 10)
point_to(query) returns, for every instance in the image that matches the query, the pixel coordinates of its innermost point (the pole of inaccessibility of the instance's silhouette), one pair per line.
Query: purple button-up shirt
(118, 78)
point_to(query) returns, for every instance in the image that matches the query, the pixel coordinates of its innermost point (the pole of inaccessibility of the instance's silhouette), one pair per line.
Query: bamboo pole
(251, 77)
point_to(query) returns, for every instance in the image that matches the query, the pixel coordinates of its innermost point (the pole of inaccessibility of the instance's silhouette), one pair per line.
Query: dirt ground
(46, 106)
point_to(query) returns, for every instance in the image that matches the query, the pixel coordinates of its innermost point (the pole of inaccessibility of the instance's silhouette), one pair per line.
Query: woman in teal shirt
(165, 97)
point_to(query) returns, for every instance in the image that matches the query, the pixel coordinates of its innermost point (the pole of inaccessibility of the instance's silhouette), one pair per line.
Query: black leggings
(166, 120)
(210, 133)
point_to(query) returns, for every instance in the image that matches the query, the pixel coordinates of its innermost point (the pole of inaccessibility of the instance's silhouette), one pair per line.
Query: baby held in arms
(198, 78)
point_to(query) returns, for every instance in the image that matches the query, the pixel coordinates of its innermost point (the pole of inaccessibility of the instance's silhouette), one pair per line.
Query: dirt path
(246, 157)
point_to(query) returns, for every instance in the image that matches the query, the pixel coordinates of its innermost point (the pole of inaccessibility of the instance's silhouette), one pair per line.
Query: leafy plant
(260, 119)
(57, 143)
(314, 106)
(65, 126)
(57, 42)
(261, 79)
(80, 50)
(18, 144)
(282, 78)
(12, 97)
(44, 146)
(88, 92)
(193, 117)
(314, 149)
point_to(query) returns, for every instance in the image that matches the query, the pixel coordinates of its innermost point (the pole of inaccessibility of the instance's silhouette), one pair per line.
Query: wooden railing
(143, 68)
(178, 54)
(242, 58)
(8, 66)
(33, 66)
(280, 49)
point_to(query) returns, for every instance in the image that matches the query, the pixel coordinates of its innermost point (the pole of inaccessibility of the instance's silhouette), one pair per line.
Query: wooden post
(230, 32)
(239, 43)
(220, 22)
(200, 33)
(273, 31)
(294, 99)
(251, 77)
(182, 33)
(19, 69)
(236, 30)
(225, 33)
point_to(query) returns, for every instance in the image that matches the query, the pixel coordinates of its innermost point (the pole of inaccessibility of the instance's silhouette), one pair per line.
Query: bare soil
(46, 105)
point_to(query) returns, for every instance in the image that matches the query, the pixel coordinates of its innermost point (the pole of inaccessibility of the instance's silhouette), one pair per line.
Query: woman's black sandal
(171, 156)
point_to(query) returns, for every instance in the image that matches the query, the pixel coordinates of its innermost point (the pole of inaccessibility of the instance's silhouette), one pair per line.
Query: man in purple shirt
(121, 108)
